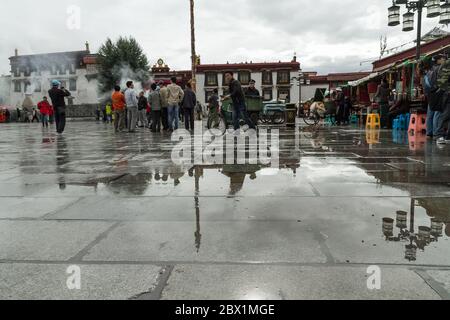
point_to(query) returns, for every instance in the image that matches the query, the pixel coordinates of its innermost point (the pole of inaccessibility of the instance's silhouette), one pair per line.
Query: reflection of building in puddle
(424, 235)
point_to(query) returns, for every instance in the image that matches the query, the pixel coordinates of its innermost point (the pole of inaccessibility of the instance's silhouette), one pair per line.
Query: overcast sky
(328, 36)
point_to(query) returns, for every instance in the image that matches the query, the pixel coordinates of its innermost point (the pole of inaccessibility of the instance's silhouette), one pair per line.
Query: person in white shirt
(132, 106)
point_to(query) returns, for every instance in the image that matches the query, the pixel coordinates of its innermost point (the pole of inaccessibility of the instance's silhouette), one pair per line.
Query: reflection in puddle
(421, 237)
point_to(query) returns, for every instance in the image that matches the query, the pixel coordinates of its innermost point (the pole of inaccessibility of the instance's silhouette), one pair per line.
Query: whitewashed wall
(86, 92)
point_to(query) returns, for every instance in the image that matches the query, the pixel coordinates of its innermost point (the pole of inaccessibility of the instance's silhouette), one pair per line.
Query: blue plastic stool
(354, 119)
(329, 120)
(397, 124)
(403, 122)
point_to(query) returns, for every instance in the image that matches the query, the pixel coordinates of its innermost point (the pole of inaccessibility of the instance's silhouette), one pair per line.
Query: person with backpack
(430, 88)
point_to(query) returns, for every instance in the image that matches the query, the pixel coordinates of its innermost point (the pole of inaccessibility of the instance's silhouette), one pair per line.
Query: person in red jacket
(45, 109)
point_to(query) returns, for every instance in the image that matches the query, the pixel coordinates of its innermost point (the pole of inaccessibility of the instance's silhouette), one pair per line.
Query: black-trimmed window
(16, 71)
(208, 95)
(267, 94)
(224, 81)
(72, 84)
(284, 77)
(284, 94)
(211, 79)
(244, 77)
(267, 78)
(37, 86)
(27, 72)
(72, 68)
(17, 86)
(27, 85)
(53, 70)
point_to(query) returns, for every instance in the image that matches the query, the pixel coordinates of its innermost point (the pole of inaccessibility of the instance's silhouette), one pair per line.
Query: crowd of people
(158, 111)
(165, 106)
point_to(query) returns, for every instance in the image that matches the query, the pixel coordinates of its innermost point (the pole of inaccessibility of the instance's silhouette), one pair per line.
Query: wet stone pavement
(140, 227)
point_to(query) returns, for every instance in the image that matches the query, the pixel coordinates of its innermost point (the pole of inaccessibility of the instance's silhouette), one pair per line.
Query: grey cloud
(323, 32)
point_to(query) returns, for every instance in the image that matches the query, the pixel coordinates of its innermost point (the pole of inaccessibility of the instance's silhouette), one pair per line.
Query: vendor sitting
(318, 108)
(251, 91)
(401, 106)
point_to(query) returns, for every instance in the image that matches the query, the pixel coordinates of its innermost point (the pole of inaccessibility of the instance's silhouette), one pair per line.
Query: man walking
(155, 103)
(174, 97)
(189, 104)
(239, 107)
(132, 107)
(118, 104)
(59, 104)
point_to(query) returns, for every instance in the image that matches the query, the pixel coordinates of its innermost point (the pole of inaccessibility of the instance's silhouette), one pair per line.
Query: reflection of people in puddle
(237, 176)
(62, 158)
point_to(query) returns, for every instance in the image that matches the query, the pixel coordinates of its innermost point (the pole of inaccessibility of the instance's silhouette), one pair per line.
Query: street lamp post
(193, 51)
(301, 79)
(434, 9)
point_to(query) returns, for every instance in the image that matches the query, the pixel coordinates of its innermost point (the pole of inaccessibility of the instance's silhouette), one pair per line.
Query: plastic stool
(397, 124)
(417, 124)
(373, 136)
(354, 119)
(417, 142)
(329, 120)
(373, 121)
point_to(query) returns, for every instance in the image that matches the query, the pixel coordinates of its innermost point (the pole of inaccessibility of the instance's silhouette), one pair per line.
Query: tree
(121, 61)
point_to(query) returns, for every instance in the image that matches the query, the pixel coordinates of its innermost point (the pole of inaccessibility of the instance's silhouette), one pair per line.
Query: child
(108, 111)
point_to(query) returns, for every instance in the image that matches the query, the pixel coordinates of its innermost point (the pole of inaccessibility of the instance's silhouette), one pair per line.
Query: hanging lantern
(394, 16)
(402, 218)
(445, 13)
(437, 227)
(408, 21)
(434, 8)
(410, 252)
(388, 227)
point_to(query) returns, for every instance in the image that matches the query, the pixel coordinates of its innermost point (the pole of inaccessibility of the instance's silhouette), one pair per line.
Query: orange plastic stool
(373, 121)
(417, 124)
(417, 142)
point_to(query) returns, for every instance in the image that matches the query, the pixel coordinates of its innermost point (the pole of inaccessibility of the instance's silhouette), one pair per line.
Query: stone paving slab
(192, 282)
(219, 242)
(21, 207)
(46, 240)
(98, 282)
(442, 278)
(232, 208)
